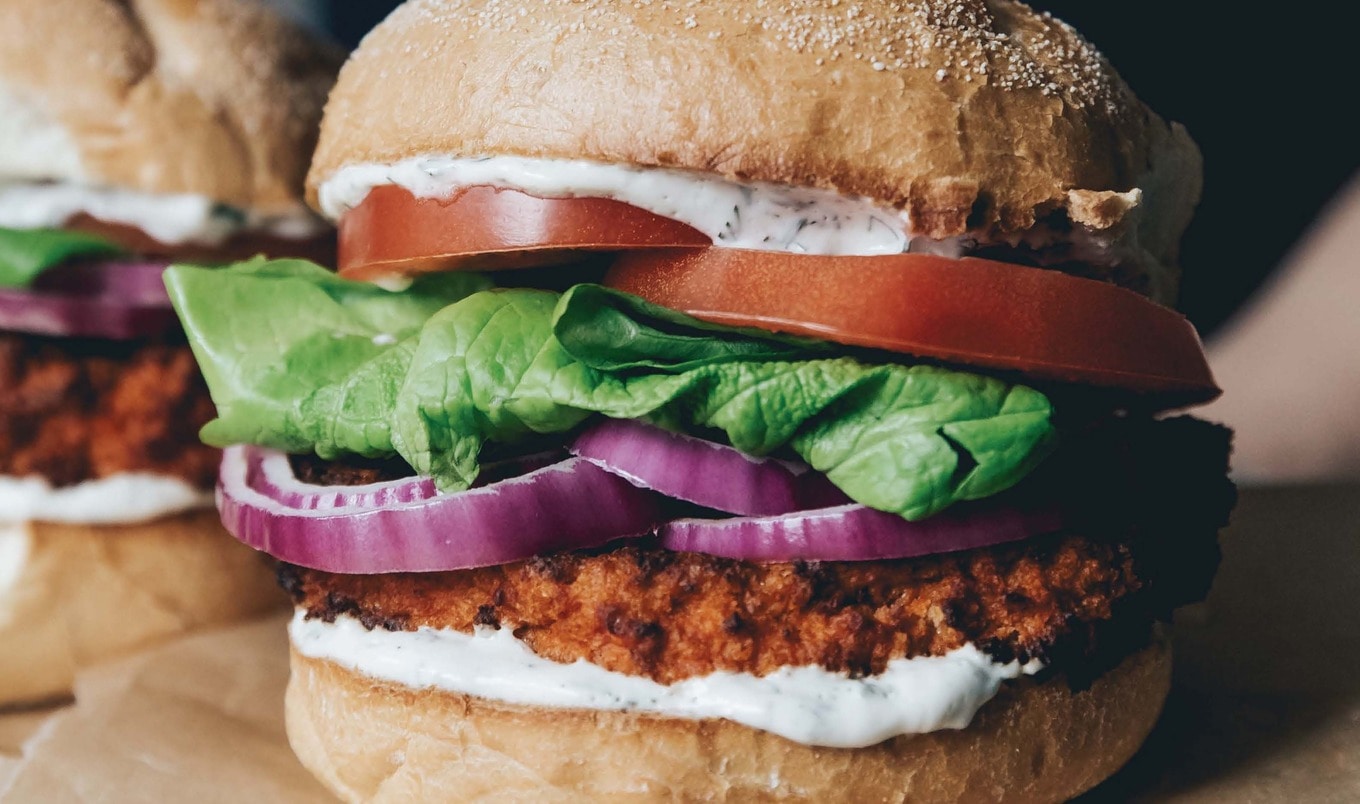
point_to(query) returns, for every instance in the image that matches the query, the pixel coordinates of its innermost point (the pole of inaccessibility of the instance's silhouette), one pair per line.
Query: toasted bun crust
(369, 740)
(972, 114)
(214, 97)
(73, 595)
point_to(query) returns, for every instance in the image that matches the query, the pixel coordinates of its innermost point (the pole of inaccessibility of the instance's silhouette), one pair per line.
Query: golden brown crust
(368, 740)
(971, 114)
(74, 410)
(671, 616)
(214, 97)
(80, 594)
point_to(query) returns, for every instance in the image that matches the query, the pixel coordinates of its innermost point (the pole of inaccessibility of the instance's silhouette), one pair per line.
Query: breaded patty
(74, 410)
(647, 611)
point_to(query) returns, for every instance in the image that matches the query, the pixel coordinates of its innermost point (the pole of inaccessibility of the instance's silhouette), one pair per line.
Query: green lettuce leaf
(26, 253)
(614, 331)
(300, 360)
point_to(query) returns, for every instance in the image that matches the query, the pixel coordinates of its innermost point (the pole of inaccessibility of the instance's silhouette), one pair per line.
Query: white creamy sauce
(171, 218)
(115, 500)
(32, 144)
(809, 705)
(756, 215)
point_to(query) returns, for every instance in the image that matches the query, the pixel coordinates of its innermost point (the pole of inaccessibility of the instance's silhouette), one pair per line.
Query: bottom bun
(369, 740)
(73, 595)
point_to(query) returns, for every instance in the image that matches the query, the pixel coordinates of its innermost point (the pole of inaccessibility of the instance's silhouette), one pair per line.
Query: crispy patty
(75, 409)
(648, 611)
(1141, 541)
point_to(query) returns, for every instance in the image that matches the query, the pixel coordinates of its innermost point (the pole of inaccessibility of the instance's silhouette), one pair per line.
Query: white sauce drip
(809, 705)
(757, 215)
(115, 500)
(171, 218)
(32, 144)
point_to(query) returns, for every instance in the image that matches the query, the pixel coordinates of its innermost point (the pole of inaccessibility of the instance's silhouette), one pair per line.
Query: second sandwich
(131, 135)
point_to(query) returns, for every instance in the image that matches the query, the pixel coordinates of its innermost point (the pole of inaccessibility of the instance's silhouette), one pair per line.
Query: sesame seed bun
(219, 98)
(973, 116)
(370, 740)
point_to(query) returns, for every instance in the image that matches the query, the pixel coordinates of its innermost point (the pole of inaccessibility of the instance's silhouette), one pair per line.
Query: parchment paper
(200, 720)
(16, 728)
(1266, 706)
(9, 766)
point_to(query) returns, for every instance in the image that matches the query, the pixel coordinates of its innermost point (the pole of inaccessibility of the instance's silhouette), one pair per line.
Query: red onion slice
(136, 281)
(273, 476)
(704, 472)
(569, 505)
(118, 298)
(857, 533)
(270, 473)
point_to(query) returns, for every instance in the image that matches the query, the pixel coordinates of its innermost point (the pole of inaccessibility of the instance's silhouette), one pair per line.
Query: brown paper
(199, 720)
(17, 727)
(1266, 706)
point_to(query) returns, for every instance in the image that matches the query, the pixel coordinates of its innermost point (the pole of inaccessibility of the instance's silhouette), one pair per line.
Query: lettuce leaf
(300, 360)
(26, 253)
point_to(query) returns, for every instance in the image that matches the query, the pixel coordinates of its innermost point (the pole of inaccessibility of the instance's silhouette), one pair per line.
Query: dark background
(1266, 94)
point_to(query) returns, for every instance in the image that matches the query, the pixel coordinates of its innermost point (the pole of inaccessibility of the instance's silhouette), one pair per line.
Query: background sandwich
(813, 449)
(131, 134)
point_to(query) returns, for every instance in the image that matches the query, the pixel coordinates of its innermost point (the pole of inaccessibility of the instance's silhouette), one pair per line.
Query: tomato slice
(393, 233)
(1045, 324)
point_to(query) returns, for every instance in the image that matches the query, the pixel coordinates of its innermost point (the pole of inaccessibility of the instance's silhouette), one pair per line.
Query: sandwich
(724, 400)
(131, 135)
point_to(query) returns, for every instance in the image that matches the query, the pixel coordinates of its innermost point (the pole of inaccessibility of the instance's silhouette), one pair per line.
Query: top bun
(219, 98)
(971, 115)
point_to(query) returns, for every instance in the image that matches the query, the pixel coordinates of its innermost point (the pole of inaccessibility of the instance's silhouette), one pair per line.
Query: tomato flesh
(1042, 323)
(394, 233)
(1047, 325)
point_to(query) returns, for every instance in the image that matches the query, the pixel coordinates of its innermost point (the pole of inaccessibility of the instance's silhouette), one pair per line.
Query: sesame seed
(996, 42)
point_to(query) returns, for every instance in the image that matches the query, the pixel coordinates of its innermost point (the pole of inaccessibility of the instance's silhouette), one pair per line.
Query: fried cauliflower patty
(643, 610)
(74, 410)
